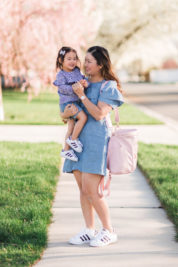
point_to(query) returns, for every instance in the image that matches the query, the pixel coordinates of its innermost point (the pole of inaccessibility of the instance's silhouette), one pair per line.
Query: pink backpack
(122, 151)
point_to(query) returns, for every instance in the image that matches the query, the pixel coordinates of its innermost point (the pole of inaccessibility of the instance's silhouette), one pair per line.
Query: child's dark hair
(61, 55)
(102, 57)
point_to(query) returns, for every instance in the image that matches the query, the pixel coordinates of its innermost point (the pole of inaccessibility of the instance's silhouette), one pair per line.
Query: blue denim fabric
(95, 134)
(76, 103)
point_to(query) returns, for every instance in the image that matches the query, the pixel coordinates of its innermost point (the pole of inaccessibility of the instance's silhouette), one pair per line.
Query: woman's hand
(70, 110)
(78, 89)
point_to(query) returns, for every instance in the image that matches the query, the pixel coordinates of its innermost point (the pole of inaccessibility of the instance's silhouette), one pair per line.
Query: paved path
(149, 134)
(32, 133)
(146, 236)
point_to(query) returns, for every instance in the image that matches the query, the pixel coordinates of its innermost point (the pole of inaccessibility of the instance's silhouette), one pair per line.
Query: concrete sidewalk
(163, 134)
(146, 235)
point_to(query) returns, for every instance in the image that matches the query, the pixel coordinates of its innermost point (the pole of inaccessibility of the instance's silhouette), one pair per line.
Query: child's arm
(84, 83)
(63, 87)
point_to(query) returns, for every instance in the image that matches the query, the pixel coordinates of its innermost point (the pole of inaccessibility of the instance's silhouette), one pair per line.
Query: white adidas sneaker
(84, 237)
(75, 144)
(69, 154)
(103, 238)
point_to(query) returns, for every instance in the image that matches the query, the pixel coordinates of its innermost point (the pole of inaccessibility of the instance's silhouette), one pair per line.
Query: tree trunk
(1, 103)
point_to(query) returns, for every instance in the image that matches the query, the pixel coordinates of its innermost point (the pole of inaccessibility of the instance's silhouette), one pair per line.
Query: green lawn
(28, 178)
(44, 109)
(160, 165)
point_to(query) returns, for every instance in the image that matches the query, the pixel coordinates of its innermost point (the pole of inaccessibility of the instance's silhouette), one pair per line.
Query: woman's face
(91, 66)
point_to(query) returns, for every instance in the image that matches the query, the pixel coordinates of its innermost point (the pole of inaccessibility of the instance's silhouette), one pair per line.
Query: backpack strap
(117, 119)
(116, 112)
(103, 85)
(102, 187)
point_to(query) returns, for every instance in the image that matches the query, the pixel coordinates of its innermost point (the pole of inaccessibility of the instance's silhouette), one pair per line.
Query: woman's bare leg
(90, 183)
(87, 208)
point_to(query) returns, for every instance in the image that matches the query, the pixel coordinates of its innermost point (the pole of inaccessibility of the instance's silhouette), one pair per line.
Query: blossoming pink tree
(32, 33)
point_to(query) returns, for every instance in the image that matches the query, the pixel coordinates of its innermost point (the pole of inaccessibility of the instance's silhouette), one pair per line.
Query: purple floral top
(64, 81)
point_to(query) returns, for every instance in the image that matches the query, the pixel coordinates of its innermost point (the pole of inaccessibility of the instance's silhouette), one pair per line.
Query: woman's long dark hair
(102, 57)
(61, 55)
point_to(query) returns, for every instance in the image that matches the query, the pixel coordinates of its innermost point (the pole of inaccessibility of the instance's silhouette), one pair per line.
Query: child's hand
(64, 121)
(84, 83)
(78, 89)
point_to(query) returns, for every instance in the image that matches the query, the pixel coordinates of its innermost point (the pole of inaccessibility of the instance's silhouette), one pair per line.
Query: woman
(91, 167)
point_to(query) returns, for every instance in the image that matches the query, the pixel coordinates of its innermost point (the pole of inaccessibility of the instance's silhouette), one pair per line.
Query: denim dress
(95, 134)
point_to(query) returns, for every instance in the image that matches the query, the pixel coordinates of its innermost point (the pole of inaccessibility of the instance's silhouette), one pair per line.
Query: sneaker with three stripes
(69, 154)
(84, 237)
(103, 238)
(75, 144)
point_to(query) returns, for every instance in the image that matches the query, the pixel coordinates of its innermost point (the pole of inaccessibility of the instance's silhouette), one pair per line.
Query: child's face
(70, 61)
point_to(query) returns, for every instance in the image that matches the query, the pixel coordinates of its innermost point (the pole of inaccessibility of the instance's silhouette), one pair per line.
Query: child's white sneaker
(75, 144)
(80, 143)
(103, 238)
(69, 154)
(84, 237)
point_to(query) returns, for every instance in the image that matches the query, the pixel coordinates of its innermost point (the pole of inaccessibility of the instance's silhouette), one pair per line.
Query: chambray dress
(95, 134)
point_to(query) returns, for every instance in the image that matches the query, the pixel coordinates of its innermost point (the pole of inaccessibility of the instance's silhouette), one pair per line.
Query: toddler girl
(67, 61)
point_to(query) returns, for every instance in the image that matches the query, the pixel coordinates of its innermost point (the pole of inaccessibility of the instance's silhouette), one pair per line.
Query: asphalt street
(161, 98)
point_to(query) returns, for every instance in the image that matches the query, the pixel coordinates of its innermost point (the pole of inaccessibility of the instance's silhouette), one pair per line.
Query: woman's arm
(97, 112)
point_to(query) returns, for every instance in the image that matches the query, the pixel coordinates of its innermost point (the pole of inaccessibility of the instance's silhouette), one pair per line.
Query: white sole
(83, 243)
(104, 244)
(63, 156)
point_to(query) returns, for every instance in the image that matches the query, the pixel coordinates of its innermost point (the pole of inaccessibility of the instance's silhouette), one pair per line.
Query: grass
(160, 165)
(44, 110)
(28, 177)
